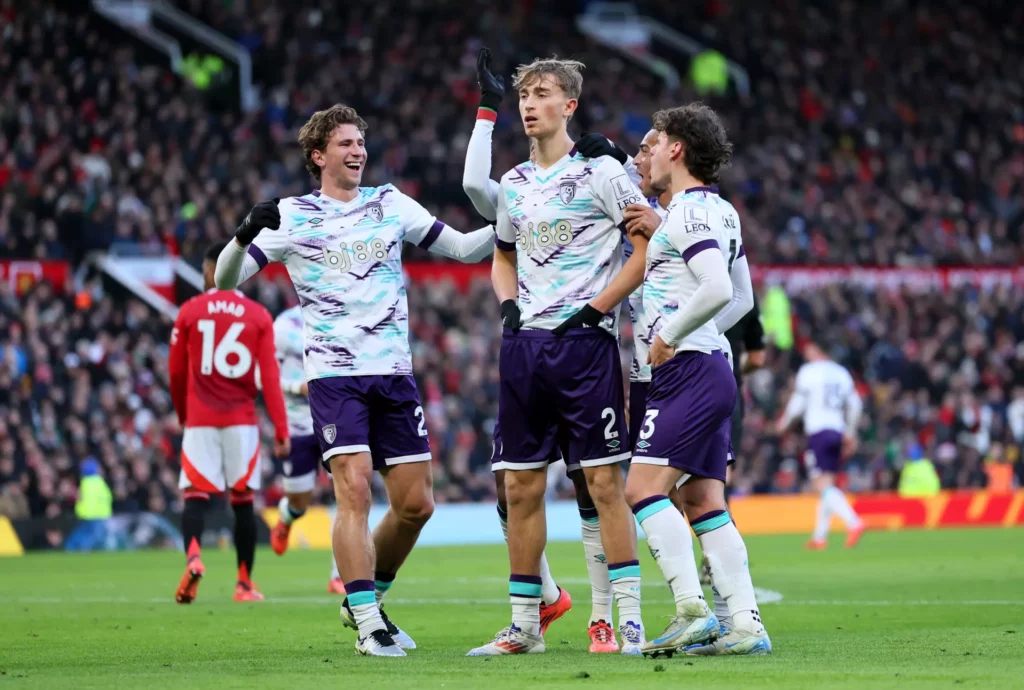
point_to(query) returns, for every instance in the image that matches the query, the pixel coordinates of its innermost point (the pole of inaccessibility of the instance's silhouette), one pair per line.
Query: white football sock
(721, 608)
(821, 523)
(727, 555)
(838, 505)
(288, 514)
(597, 570)
(524, 593)
(670, 544)
(364, 609)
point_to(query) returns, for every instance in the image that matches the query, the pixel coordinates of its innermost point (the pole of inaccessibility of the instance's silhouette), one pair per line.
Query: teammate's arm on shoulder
(615, 190)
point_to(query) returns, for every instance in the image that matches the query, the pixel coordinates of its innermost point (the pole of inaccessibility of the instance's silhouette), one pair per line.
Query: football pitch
(905, 609)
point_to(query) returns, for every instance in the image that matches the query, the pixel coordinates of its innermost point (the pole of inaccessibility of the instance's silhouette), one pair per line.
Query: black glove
(587, 316)
(511, 317)
(263, 215)
(492, 87)
(597, 145)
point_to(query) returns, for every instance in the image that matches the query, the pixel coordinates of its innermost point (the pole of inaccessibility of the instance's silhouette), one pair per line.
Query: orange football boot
(336, 586)
(602, 638)
(550, 614)
(816, 545)
(245, 589)
(194, 571)
(853, 535)
(279, 537)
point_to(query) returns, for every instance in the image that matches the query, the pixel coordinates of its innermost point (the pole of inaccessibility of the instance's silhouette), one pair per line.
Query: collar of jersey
(558, 167)
(323, 197)
(709, 189)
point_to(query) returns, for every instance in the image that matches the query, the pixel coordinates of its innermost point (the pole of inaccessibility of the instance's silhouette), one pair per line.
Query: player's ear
(675, 150)
(570, 107)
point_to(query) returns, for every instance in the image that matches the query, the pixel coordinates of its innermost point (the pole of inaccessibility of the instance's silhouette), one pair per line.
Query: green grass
(905, 609)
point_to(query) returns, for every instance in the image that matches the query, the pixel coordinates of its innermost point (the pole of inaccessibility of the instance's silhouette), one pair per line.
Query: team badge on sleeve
(330, 433)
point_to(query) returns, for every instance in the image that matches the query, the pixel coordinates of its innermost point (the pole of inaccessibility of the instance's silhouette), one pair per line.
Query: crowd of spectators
(82, 378)
(884, 134)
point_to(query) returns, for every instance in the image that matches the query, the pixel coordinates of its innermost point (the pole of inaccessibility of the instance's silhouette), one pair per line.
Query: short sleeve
(419, 226)
(688, 229)
(615, 190)
(505, 232)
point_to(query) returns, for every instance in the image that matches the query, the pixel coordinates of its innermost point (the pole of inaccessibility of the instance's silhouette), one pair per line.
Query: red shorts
(216, 459)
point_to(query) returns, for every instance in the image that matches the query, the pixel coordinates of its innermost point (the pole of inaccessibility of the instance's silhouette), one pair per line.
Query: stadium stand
(847, 152)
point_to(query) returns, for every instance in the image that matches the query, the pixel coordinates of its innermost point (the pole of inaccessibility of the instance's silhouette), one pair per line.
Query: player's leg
(685, 432)
(245, 544)
(336, 585)
(527, 446)
(300, 470)
(341, 423)
(823, 461)
(201, 475)
(601, 627)
(726, 553)
(591, 404)
(554, 602)
(241, 448)
(669, 541)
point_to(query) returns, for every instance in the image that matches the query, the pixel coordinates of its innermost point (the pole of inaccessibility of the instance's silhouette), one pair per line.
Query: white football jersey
(698, 220)
(565, 224)
(640, 368)
(822, 391)
(345, 261)
(288, 343)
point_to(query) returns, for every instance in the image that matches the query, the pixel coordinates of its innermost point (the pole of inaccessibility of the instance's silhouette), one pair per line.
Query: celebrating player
(827, 399)
(342, 247)
(301, 466)
(221, 344)
(685, 433)
(559, 276)
(646, 219)
(555, 602)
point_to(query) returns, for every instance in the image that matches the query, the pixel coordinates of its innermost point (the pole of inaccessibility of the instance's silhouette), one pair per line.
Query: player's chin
(353, 177)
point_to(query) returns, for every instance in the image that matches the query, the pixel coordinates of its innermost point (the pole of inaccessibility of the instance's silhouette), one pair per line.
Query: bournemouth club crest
(375, 211)
(330, 433)
(567, 192)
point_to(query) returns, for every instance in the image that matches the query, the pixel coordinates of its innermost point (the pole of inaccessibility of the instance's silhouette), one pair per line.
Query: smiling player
(342, 246)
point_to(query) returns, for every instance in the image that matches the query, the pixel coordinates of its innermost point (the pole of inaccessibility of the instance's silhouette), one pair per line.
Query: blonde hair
(568, 74)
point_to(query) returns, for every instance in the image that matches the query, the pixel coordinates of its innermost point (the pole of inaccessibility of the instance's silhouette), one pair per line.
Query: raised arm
(241, 258)
(476, 177)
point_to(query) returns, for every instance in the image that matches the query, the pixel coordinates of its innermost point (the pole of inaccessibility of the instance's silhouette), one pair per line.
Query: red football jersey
(222, 348)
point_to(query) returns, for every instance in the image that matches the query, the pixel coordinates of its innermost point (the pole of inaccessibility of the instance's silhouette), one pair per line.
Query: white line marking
(323, 600)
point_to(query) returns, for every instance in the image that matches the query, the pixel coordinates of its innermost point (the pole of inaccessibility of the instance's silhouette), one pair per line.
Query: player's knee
(352, 485)
(702, 498)
(605, 484)
(636, 492)
(417, 510)
(522, 487)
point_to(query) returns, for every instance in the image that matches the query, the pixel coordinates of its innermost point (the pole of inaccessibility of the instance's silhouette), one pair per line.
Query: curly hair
(315, 134)
(706, 146)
